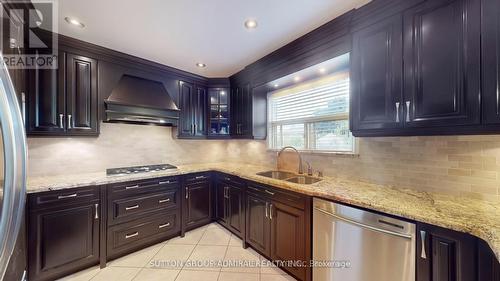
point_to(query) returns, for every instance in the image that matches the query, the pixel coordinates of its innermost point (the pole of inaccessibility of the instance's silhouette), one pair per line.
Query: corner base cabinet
(445, 255)
(230, 205)
(197, 197)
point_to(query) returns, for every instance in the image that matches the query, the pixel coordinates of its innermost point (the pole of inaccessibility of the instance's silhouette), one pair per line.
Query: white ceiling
(180, 33)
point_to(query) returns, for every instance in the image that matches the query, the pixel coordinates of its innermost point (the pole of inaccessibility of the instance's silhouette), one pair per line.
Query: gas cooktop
(139, 169)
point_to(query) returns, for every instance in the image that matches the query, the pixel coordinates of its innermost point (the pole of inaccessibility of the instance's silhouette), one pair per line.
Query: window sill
(322, 152)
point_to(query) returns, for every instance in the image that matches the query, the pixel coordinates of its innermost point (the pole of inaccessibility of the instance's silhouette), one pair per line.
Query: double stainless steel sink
(289, 177)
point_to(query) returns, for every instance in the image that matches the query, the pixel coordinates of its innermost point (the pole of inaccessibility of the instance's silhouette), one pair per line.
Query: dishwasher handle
(353, 222)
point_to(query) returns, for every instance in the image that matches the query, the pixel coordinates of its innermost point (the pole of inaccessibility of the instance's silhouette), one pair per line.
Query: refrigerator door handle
(14, 146)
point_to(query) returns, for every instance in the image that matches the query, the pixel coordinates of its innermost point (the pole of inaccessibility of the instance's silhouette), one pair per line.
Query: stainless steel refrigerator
(12, 176)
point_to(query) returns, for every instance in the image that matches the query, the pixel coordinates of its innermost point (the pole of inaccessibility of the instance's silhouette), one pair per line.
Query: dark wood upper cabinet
(81, 98)
(241, 111)
(193, 106)
(63, 101)
(219, 117)
(46, 100)
(200, 112)
(376, 76)
(442, 63)
(186, 124)
(63, 240)
(491, 61)
(445, 255)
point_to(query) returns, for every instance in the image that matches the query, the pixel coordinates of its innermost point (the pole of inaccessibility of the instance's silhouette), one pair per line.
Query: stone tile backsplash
(462, 165)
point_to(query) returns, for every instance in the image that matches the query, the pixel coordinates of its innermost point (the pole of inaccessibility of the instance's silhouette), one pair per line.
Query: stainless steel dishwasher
(350, 244)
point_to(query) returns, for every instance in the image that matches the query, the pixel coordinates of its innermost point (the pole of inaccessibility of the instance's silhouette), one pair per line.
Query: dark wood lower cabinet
(279, 230)
(489, 266)
(230, 205)
(69, 230)
(258, 225)
(197, 206)
(445, 255)
(63, 240)
(288, 237)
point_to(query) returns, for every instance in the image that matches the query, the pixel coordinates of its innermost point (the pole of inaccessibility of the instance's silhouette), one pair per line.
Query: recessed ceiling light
(74, 22)
(276, 85)
(201, 65)
(322, 70)
(251, 24)
(296, 78)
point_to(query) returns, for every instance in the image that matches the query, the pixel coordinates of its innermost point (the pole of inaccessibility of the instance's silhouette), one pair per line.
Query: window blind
(312, 115)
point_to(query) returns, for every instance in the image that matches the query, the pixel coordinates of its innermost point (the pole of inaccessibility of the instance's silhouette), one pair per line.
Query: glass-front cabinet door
(219, 112)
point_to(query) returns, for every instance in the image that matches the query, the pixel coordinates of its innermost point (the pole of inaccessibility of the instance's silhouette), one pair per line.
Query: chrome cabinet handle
(96, 211)
(67, 196)
(132, 187)
(163, 182)
(164, 225)
(61, 122)
(199, 177)
(164, 200)
(227, 192)
(254, 189)
(267, 205)
(269, 192)
(23, 105)
(271, 211)
(131, 207)
(228, 179)
(397, 112)
(69, 122)
(187, 193)
(423, 254)
(194, 131)
(127, 236)
(408, 111)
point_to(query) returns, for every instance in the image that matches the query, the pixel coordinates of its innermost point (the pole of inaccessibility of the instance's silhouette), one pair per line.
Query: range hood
(138, 100)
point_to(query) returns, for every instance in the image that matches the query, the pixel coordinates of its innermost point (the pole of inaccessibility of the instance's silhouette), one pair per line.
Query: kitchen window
(312, 116)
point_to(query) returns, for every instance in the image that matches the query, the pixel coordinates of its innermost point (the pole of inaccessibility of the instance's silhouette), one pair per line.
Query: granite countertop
(480, 218)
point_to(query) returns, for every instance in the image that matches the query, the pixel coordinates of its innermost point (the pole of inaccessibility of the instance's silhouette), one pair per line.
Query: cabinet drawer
(286, 197)
(56, 198)
(127, 189)
(198, 177)
(230, 179)
(128, 237)
(125, 209)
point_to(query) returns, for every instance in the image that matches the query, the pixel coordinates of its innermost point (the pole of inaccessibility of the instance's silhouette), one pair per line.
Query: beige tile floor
(208, 243)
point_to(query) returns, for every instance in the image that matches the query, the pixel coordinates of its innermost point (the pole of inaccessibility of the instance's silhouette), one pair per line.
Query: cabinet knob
(187, 193)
